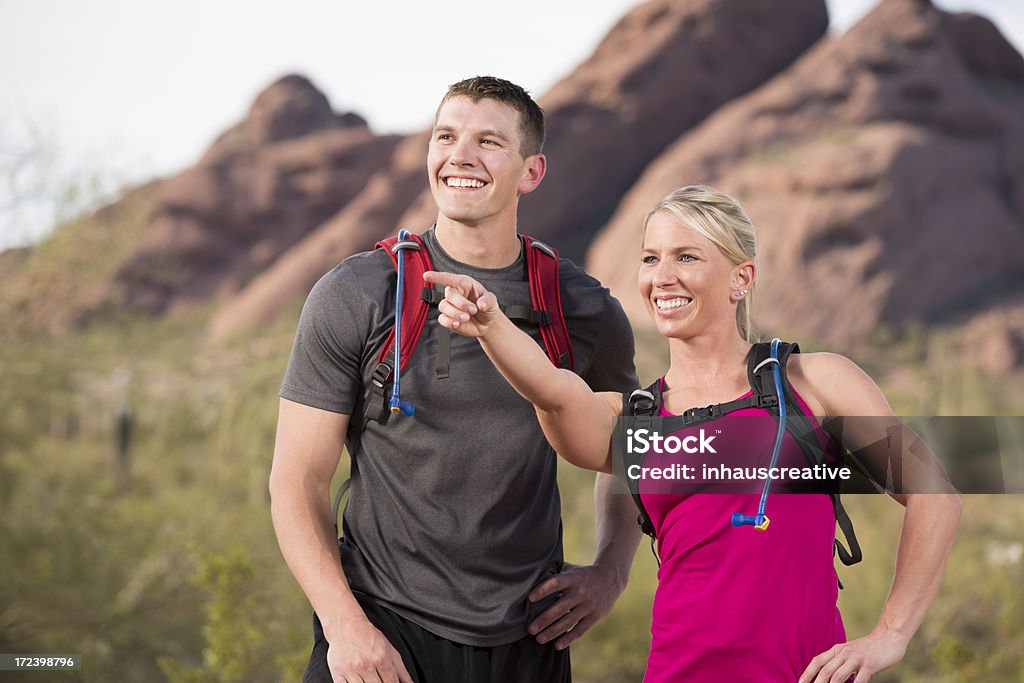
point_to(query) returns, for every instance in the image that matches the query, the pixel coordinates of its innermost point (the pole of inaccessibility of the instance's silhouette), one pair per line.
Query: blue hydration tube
(760, 521)
(397, 404)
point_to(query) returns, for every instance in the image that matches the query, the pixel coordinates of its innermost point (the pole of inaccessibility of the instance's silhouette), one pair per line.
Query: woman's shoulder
(831, 383)
(821, 364)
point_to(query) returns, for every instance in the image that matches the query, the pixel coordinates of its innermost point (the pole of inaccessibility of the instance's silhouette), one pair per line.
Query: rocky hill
(885, 173)
(665, 66)
(203, 234)
(884, 169)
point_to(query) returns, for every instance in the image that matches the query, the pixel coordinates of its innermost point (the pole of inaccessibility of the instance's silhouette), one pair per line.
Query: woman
(732, 604)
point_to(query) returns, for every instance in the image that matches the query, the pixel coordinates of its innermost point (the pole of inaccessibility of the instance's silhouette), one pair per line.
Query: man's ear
(536, 168)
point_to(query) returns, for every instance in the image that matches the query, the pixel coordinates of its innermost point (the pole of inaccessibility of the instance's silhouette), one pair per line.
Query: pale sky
(122, 90)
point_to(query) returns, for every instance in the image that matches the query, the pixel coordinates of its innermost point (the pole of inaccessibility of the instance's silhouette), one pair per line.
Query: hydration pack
(545, 311)
(645, 405)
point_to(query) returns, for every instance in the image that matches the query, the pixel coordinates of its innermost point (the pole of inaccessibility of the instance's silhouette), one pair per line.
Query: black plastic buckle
(767, 401)
(695, 414)
(641, 403)
(432, 296)
(538, 317)
(381, 374)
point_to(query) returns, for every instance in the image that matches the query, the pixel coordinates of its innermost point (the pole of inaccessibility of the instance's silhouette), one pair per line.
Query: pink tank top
(735, 604)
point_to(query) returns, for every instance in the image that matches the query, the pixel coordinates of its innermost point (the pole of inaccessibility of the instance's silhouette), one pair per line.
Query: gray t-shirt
(454, 514)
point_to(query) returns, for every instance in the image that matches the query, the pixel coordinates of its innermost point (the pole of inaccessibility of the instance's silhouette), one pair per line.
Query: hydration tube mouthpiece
(759, 522)
(403, 407)
(397, 404)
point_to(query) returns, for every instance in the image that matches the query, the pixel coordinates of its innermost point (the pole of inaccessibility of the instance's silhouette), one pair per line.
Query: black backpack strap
(693, 416)
(526, 314)
(801, 428)
(642, 405)
(434, 295)
(376, 407)
(760, 372)
(854, 554)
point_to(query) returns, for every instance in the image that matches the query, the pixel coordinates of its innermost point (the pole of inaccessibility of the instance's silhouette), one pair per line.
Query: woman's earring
(742, 293)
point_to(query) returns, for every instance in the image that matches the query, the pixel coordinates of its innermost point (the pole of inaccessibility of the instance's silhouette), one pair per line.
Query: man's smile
(462, 182)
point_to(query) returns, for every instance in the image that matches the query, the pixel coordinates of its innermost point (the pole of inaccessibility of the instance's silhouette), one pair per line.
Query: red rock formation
(884, 170)
(355, 228)
(659, 71)
(291, 107)
(259, 189)
(665, 66)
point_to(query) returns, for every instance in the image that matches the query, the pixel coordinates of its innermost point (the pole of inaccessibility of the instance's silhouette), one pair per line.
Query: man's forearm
(616, 529)
(308, 543)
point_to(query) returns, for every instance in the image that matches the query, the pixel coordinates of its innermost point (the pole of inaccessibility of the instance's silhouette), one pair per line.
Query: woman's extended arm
(577, 422)
(843, 389)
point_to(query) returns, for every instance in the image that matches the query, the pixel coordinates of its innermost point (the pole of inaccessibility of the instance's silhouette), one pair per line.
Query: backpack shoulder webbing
(415, 307)
(542, 266)
(801, 427)
(546, 297)
(645, 404)
(546, 312)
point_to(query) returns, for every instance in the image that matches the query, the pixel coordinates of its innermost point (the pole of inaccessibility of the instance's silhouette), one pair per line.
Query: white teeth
(463, 182)
(666, 304)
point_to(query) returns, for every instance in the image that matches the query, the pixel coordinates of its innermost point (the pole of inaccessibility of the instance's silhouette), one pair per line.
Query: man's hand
(588, 595)
(468, 308)
(857, 660)
(361, 654)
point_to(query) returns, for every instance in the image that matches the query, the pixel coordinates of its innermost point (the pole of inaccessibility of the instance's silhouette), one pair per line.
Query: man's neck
(493, 245)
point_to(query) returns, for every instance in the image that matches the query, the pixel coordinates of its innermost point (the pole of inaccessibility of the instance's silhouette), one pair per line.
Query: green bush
(171, 571)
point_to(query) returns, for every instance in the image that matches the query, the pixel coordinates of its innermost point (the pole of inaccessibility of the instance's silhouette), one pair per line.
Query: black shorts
(433, 659)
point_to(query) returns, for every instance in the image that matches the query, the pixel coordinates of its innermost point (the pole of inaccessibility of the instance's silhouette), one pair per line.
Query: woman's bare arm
(577, 422)
(843, 389)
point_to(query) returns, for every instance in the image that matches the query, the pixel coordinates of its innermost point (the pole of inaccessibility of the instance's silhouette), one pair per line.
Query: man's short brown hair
(531, 116)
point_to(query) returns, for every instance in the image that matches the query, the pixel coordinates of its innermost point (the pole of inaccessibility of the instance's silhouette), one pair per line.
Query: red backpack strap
(414, 306)
(546, 295)
(414, 317)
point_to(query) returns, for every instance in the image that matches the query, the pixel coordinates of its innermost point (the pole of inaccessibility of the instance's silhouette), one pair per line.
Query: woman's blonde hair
(720, 218)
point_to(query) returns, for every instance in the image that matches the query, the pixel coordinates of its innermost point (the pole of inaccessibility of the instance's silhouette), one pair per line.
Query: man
(451, 563)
